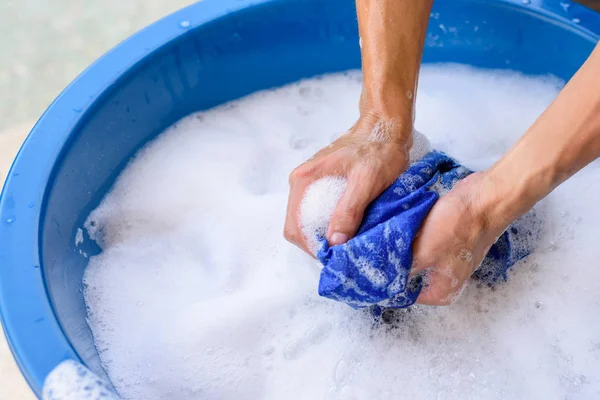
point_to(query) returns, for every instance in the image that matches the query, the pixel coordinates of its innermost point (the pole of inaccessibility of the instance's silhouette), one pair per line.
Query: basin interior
(254, 48)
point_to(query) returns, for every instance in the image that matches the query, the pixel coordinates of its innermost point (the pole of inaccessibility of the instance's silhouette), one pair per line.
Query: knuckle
(302, 172)
(345, 214)
(352, 212)
(289, 234)
(439, 290)
(447, 294)
(294, 176)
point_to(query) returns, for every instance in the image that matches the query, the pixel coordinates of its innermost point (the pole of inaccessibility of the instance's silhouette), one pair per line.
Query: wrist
(390, 110)
(390, 128)
(388, 101)
(509, 189)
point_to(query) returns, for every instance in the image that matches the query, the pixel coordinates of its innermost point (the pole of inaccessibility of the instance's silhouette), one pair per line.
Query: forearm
(392, 38)
(562, 141)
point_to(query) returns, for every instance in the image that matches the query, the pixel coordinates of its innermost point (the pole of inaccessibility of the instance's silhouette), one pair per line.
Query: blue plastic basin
(197, 58)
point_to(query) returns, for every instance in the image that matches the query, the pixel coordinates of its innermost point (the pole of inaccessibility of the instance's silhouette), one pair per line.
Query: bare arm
(392, 36)
(564, 139)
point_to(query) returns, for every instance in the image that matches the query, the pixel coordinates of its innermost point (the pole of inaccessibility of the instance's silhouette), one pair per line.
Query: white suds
(72, 381)
(318, 204)
(420, 147)
(78, 237)
(197, 295)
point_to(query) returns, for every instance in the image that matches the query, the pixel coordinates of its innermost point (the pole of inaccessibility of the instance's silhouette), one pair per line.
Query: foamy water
(198, 296)
(72, 381)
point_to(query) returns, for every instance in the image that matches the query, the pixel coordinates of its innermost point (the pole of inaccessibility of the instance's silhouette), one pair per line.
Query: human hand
(375, 151)
(455, 238)
(371, 155)
(463, 225)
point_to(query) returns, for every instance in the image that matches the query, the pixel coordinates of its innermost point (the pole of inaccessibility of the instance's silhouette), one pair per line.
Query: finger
(440, 288)
(435, 289)
(424, 251)
(348, 214)
(423, 256)
(292, 229)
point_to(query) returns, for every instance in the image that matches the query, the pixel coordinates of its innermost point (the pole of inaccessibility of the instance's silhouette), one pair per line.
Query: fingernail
(338, 238)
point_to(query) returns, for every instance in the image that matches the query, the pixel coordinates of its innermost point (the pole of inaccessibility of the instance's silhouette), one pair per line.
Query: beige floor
(44, 44)
(12, 384)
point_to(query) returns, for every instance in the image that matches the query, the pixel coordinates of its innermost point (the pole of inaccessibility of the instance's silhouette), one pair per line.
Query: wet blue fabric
(372, 269)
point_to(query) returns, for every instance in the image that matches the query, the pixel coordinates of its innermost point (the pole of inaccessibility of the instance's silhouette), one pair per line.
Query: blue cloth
(372, 268)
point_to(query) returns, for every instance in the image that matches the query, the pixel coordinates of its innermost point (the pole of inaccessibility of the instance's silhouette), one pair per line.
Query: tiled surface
(44, 44)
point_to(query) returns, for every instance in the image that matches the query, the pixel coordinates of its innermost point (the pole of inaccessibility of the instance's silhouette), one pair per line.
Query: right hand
(370, 156)
(457, 235)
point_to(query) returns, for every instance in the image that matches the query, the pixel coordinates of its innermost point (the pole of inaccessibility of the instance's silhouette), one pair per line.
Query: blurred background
(44, 45)
(595, 4)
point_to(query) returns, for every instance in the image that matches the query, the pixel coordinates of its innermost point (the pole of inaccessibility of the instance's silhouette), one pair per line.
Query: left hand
(370, 156)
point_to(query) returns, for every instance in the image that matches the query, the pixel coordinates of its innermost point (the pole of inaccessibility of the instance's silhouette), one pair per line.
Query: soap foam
(72, 381)
(196, 295)
(419, 148)
(317, 207)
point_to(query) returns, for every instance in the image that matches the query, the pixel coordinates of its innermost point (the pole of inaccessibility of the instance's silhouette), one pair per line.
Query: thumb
(348, 214)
